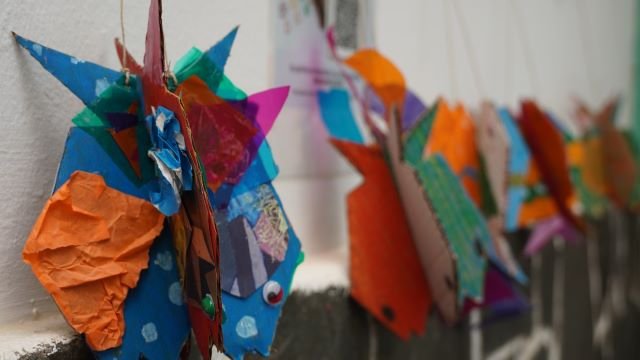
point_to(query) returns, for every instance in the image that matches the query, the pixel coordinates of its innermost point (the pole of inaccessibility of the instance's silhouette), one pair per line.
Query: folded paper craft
(174, 141)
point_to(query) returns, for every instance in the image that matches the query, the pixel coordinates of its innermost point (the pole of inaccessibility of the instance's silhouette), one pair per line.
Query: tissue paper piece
(88, 248)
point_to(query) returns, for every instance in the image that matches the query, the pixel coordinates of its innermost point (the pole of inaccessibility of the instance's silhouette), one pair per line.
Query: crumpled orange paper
(87, 248)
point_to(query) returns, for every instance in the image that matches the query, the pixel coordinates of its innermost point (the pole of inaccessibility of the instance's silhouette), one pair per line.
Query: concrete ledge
(321, 322)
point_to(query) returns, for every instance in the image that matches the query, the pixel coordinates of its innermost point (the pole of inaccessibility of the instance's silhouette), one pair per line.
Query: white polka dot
(101, 85)
(149, 332)
(37, 48)
(175, 293)
(163, 259)
(246, 327)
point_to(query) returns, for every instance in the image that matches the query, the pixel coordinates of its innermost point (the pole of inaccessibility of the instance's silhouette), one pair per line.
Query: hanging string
(125, 69)
(450, 49)
(526, 47)
(508, 72)
(585, 42)
(471, 54)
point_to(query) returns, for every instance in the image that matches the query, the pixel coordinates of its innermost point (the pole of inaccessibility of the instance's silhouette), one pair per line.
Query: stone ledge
(325, 323)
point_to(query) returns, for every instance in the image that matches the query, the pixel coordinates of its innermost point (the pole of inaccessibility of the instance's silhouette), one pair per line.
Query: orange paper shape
(541, 207)
(620, 169)
(386, 275)
(380, 73)
(453, 136)
(87, 248)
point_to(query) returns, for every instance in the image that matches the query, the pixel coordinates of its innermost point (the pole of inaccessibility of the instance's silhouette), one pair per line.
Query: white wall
(35, 110)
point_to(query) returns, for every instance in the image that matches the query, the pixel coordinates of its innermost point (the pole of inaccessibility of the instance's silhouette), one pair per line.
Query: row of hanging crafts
(164, 225)
(443, 188)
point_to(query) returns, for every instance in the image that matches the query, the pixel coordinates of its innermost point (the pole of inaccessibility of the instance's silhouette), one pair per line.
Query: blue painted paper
(143, 306)
(157, 322)
(335, 110)
(85, 79)
(250, 322)
(265, 316)
(219, 53)
(82, 152)
(519, 159)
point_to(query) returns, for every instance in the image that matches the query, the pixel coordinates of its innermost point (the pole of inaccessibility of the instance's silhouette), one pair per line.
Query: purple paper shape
(413, 107)
(120, 120)
(500, 296)
(547, 230)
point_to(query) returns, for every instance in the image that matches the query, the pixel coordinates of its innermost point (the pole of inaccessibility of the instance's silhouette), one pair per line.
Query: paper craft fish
(547, 147)
(620, 166)
(586, 158)
(452, 255)
(174, 152)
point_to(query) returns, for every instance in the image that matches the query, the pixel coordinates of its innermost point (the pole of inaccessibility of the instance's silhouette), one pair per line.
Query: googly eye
(272, 293)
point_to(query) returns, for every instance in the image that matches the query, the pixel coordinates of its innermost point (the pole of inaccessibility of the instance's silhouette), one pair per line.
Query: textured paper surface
(87, 248)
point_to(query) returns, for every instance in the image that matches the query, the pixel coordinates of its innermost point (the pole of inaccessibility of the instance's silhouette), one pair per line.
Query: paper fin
(85, 79)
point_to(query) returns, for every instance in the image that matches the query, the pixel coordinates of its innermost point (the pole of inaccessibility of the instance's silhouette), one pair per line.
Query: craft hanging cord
(526, 48)
(125, 69)
(468, 46)
(585, 41)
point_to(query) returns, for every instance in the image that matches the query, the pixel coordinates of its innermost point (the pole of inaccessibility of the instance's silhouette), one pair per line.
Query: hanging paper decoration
(184, 145)
(547, 147)
(397, 293)
(585, 155)
(620, 167)
(452, 253)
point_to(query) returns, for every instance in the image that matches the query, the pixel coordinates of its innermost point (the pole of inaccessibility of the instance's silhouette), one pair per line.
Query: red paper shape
(548, 150)
(201, 215)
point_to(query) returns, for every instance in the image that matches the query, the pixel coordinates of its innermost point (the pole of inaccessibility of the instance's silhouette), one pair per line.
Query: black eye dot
(388, 313)
(449, 282)
(479, 248)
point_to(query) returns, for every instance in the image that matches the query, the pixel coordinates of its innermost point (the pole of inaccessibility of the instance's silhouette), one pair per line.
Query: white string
(453, 79)
(585, 41)
(471, 54)
(508, 71)
(125, 69)
(526, 47)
